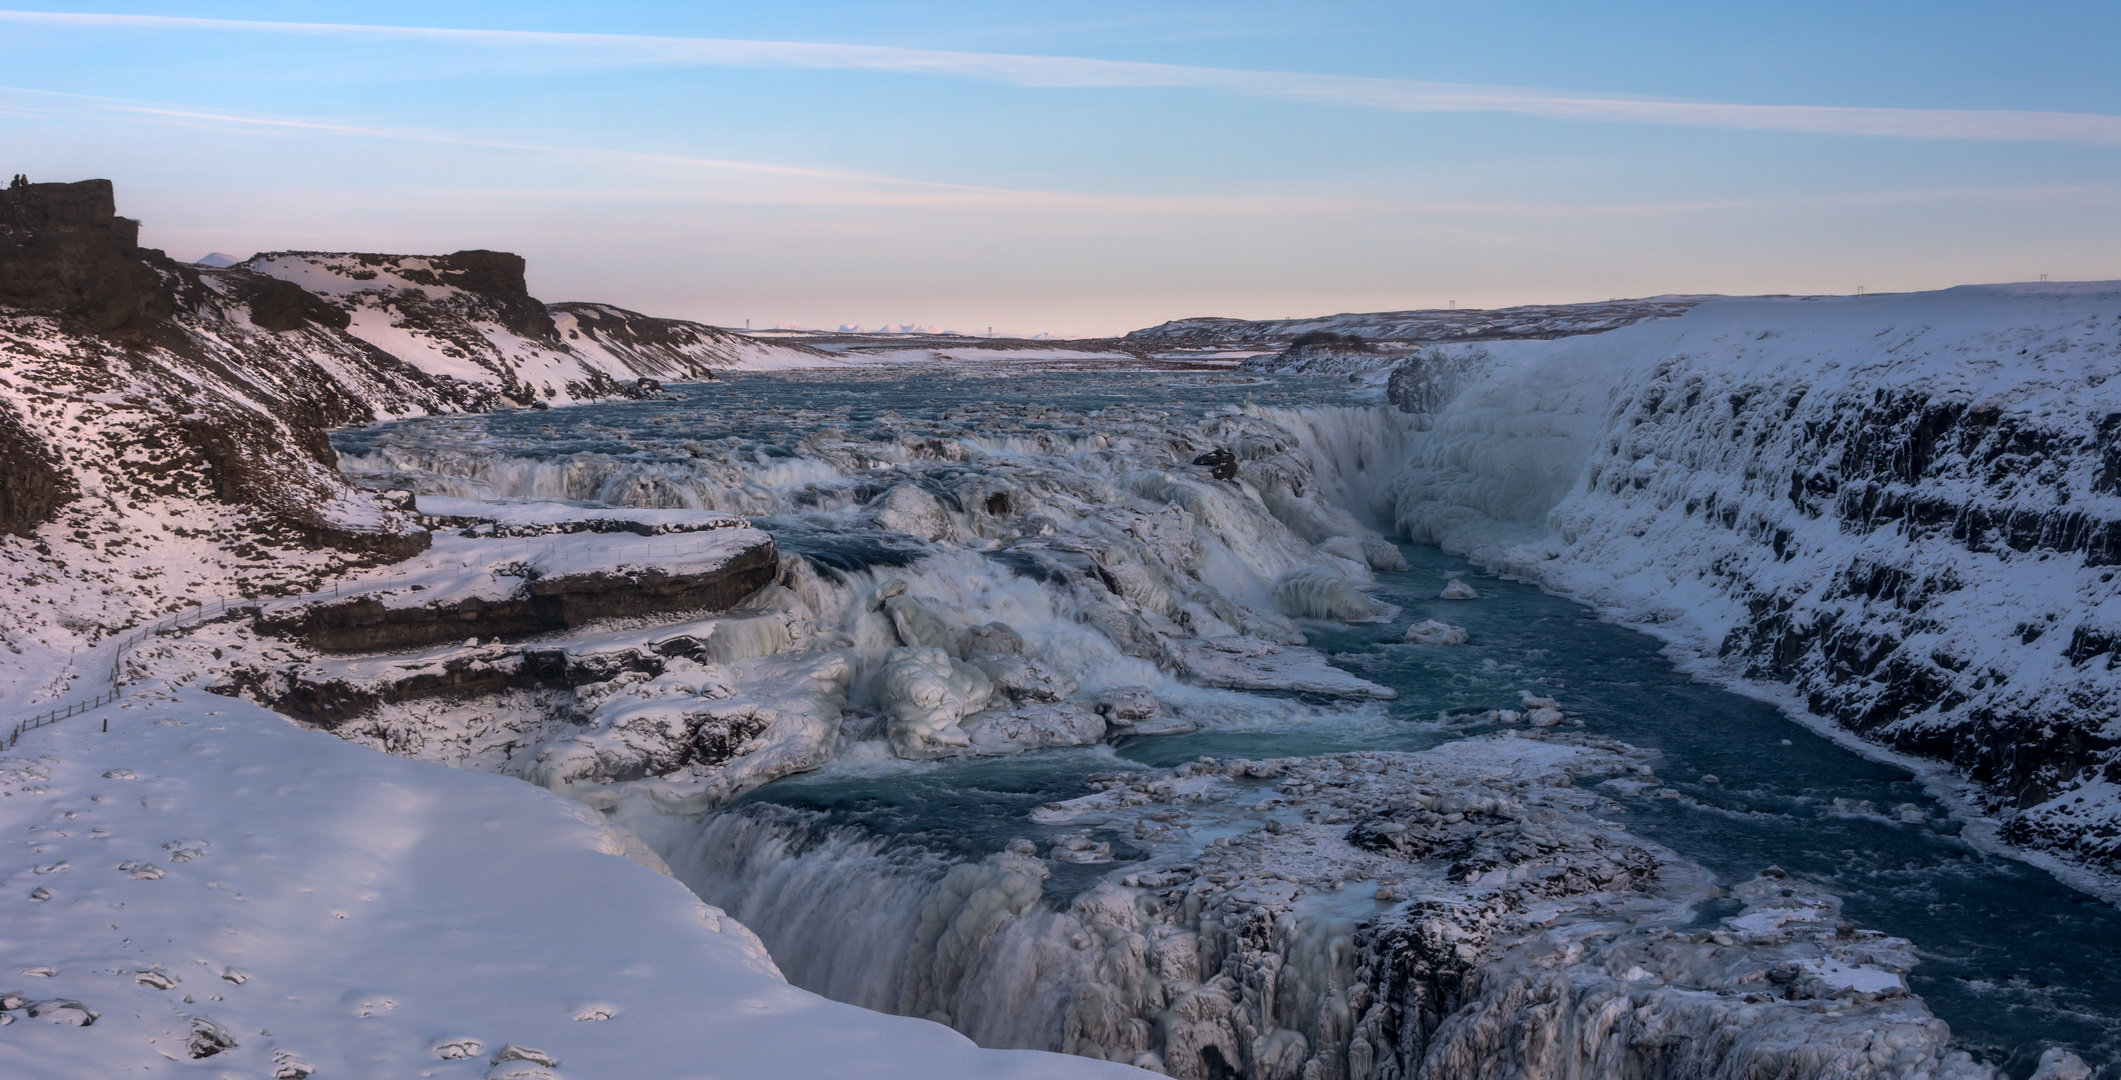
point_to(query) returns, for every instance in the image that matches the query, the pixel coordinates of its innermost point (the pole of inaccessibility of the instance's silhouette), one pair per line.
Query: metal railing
(114, 678)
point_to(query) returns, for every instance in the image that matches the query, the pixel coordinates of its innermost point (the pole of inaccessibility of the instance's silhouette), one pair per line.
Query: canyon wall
(1905, 508)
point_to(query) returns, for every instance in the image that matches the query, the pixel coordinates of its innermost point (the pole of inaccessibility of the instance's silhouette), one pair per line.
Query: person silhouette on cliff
(19, 181)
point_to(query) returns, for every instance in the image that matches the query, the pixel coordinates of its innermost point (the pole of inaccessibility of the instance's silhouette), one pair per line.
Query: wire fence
(114, 677)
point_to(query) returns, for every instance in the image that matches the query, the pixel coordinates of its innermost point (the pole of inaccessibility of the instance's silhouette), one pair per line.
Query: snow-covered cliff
(1906, 508)
(163, 425)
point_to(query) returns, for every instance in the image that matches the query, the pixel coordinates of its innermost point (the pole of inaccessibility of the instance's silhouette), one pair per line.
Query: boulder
(1432, 632)
(925, 692)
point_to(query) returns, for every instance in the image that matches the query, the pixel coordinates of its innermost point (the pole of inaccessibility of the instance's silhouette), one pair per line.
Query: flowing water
(833, 868)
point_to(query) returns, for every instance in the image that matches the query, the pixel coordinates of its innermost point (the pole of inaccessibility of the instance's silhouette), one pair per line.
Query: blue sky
(1094, 167)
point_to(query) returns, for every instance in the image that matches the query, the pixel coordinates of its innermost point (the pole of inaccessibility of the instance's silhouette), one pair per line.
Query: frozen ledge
(513, 589)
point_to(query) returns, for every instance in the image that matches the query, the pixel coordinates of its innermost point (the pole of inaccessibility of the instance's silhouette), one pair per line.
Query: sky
(1091, 168)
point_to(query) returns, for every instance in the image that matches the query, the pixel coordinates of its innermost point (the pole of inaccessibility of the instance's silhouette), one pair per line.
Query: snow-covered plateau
(698, 728)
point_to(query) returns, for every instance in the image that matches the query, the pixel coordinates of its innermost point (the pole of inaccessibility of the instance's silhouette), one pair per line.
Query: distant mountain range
(1424, 327)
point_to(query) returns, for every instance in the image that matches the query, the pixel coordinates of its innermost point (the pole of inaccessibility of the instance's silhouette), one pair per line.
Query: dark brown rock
(284, 305)
(32, 488)
(1221, 463)
(544, 605)
(65, 251)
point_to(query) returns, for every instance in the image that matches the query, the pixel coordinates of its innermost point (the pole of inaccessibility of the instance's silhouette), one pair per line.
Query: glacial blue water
(2013, 960)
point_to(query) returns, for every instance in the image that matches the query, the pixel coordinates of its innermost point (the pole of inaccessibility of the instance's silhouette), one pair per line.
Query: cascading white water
(1041, 570)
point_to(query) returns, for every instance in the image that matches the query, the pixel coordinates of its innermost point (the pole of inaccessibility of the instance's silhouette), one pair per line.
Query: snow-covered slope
(162, 424)
(1907, 508)
(470, 317)
(206, 886)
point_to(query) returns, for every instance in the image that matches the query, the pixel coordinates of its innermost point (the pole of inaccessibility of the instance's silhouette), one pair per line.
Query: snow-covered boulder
(908, 509)
(926, 692)
(1433, 632)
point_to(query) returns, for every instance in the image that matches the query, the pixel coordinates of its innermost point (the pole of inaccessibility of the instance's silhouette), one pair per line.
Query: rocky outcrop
(469, 317)
(163, 426)
(541, 604)
(283, 305)
(32, 487)
(65, 251)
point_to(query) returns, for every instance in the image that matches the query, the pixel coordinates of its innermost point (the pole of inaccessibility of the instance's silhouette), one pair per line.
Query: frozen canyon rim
(1902, 507)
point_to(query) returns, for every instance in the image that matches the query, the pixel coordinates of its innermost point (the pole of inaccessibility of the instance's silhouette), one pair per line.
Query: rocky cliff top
(163, 425)
(65, 250)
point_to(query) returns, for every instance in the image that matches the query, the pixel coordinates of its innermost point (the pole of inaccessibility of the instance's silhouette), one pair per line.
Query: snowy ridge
(1908, 508)
(1427, 326)
(163, 425)
(469, 317)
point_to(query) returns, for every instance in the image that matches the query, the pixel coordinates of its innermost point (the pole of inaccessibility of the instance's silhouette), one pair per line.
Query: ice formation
(975, 585)
(1455, 913)
(1434, 632)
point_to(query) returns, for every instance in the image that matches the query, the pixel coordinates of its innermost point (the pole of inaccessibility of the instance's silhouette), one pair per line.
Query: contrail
(1396, 95)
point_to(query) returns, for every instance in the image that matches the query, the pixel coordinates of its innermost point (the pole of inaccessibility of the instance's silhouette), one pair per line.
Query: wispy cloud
(738, 182)
(1397, 95)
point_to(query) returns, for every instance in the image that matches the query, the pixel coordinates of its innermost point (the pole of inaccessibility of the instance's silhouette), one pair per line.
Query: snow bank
(291, 899)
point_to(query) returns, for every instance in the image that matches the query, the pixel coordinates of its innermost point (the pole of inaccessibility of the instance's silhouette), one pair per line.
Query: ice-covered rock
(2059, 1064)
(916, 624)
(906, 508)
(1458, 590)
(1532, 922)
(926, 692)
(1014, 729)
(1433, 632)
(1314, 592)
(993, 637)
(1383, 555)
(1021, 678)
(1345, 547)
(1125, 706)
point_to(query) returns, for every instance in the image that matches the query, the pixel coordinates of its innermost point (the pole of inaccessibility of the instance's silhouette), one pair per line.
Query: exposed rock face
(188, 406)
(31, 486)
(542, 603)
(1906, 508)
(283, 305)
(64, 250)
